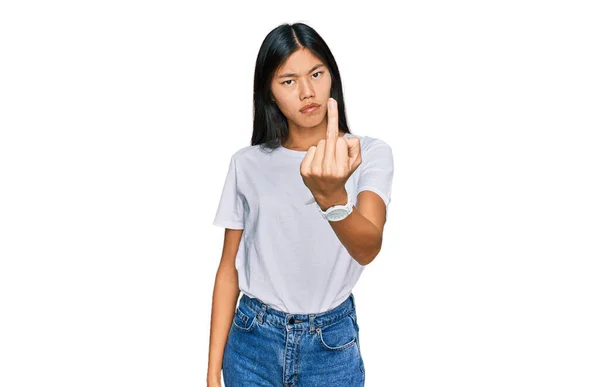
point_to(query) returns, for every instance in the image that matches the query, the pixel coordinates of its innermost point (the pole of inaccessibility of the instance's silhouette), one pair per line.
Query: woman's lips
(310, 109)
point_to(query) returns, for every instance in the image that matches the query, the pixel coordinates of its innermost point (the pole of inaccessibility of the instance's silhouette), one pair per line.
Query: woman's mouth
(309, 110)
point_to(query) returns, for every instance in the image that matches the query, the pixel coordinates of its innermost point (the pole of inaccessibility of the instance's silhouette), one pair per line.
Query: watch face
(338, 213)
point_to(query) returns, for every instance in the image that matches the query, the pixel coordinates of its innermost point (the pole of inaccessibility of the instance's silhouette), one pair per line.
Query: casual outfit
(291, 265)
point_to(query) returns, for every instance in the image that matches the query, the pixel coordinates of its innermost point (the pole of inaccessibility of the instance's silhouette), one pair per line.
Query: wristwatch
(336, 213)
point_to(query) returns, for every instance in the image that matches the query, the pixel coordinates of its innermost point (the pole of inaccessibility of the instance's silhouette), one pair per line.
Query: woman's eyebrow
(309, 71)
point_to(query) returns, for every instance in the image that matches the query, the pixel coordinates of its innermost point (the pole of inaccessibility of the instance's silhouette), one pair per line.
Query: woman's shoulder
(369, 142)
(243, 153)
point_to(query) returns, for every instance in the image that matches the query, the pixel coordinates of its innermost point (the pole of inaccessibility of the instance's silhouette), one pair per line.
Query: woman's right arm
(225, 295)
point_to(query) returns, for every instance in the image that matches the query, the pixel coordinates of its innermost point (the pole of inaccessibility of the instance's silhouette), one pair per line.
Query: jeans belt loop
(262, 312)
(311, 318)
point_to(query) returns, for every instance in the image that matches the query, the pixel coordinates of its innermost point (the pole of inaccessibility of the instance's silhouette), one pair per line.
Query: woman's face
(302, 80)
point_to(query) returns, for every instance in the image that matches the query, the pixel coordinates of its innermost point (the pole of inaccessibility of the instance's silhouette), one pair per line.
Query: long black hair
(270, 124)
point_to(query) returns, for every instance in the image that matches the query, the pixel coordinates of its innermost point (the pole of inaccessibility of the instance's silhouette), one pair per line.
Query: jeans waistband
(298, 321)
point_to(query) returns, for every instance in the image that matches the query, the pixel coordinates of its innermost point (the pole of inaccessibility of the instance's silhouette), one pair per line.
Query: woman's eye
(291, 80)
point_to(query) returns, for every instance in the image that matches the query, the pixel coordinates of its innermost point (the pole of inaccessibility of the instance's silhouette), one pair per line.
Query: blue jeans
(268, 347)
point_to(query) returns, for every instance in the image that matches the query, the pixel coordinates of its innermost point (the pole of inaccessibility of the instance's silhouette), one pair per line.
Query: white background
(118, 120)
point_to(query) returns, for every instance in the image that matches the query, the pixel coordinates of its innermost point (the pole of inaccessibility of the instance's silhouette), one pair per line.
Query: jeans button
(291, 321)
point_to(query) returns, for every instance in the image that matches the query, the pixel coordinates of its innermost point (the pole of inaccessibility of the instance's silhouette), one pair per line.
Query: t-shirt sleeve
(377, 170)
(230, 213)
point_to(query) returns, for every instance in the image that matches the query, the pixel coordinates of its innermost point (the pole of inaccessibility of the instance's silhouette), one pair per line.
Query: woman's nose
(306, 89)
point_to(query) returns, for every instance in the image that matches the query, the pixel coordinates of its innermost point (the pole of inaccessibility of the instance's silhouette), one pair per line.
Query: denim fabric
(268, 347)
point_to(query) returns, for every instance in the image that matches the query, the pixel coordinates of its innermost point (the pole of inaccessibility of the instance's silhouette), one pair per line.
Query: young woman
(303, 209)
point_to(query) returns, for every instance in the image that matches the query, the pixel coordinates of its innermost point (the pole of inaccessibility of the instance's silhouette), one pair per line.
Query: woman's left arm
(361, 232)
(325, 169)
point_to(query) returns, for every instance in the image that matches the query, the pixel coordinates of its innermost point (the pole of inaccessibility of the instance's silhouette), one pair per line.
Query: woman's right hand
(214, 382)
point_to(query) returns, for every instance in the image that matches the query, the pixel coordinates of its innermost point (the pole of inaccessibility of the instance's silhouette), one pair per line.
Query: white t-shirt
(289, 256)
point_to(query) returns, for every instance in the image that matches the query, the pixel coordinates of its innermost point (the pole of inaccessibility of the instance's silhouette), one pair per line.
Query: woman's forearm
(361, 238)
(225, 295)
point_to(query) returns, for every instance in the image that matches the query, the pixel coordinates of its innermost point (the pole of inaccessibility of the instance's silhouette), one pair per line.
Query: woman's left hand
(327, 166)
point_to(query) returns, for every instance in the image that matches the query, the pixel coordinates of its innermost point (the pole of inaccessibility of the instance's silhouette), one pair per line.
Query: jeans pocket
(355, 323)
(339, 335)
(244, 319)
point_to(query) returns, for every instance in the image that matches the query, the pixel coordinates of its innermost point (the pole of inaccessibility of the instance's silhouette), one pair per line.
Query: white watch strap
(348, 205)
